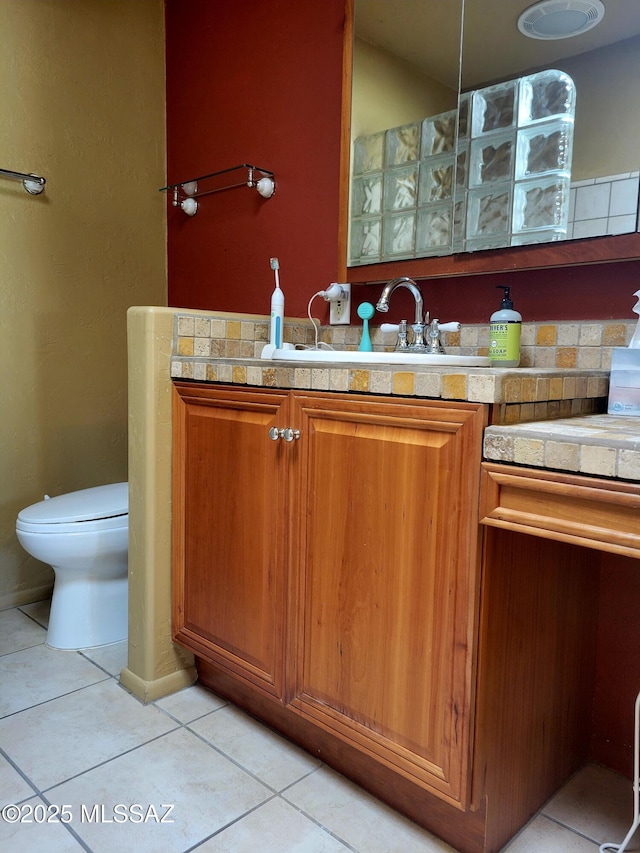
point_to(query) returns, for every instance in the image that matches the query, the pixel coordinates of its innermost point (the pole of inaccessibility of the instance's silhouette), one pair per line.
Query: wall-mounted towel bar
(33, 184)
(185, 193)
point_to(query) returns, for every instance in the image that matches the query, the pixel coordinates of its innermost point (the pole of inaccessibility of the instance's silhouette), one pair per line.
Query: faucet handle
(402, 329)
(434, 345)
(403, 335)
(435, 327)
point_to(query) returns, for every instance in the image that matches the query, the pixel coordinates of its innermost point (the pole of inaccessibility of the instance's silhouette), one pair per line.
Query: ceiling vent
(560, 19)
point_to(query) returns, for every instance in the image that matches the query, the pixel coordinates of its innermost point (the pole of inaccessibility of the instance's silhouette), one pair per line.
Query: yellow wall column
(156, 666)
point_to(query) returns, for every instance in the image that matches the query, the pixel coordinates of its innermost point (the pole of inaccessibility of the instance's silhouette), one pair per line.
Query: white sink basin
(356, 357)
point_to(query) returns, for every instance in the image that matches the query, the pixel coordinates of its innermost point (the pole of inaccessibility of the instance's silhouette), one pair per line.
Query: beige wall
(388, 92)
(607, 110)
(82, 93)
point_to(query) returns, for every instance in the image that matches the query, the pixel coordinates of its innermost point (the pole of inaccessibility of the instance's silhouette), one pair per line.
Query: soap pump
(506, 324)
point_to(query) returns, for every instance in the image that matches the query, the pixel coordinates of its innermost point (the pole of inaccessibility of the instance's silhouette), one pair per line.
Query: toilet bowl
(83, 536)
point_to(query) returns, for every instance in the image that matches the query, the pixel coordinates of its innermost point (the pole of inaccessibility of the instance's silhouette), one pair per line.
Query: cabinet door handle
(287, 433)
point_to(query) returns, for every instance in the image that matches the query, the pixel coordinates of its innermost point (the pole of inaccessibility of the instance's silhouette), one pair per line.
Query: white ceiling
(426, 33)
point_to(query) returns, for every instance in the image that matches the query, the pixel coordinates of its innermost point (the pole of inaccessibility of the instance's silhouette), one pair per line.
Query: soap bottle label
(505, 341)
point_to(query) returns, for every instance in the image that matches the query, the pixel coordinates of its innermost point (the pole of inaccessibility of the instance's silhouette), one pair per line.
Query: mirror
(405, 86)
(604, 63)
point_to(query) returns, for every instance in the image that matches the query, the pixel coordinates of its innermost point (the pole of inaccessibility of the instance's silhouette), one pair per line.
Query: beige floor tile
(17, 632)
(35, 675)
(275, 827)
(596, 802)
(36, 836)
(66, 719)
(13, 788)
(206, 790)
(75, 732)
(38, 610)
(357, 818)
(271, 758)
(112, 658)
(545, 836)
(189, 704)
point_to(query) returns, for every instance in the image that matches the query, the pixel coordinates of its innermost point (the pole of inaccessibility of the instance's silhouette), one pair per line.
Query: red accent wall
(254, 81)
(590, 292)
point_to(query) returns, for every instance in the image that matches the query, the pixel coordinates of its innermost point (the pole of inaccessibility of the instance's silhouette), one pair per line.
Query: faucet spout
(409, 283)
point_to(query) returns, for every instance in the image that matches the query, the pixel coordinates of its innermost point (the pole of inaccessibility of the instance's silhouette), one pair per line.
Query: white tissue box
(624, 384)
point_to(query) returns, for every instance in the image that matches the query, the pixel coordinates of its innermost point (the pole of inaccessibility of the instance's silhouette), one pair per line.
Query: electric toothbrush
(277, 308)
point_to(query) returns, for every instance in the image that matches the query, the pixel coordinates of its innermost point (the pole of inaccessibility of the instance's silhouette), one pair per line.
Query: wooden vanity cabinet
(329, 584)
(229, 543)
(549, 539)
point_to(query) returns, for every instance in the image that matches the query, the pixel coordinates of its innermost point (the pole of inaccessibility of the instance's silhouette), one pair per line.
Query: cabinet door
(389, 578)
(228, 552)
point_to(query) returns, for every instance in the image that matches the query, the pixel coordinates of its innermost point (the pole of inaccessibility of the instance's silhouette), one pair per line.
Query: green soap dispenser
(506, 324)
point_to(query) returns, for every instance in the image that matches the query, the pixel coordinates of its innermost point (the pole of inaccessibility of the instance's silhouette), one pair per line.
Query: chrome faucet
(409, 283)
(418, 342)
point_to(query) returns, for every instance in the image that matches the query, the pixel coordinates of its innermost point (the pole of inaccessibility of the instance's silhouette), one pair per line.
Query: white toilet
(83, 536)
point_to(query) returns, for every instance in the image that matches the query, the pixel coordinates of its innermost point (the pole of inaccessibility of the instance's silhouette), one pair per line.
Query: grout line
(231, 823)
(10, 761)
(53, 698)
(34, 620)
(326, 828)
(572, 829)
(186, 723)
(70, 829)
(109, 760)
(229, 758)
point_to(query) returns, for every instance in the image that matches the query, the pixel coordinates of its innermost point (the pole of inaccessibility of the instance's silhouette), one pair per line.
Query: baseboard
(148, 691)
(25, 596)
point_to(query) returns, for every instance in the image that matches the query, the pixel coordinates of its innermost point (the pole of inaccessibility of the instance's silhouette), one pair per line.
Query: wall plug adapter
(339, 298)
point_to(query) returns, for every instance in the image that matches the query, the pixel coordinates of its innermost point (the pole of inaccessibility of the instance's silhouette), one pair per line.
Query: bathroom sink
(413, 359)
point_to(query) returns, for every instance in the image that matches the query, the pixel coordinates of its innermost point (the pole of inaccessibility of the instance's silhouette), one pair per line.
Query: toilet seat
(84, 511)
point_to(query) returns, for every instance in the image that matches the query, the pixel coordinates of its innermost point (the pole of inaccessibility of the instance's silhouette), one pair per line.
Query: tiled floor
(72, 738)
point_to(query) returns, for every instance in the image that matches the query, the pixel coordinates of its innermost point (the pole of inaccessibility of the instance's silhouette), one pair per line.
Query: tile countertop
(597, 445)
(516, 394)
(540, 417)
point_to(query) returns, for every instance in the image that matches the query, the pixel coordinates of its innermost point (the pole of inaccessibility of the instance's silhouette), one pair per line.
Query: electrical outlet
(340, 310)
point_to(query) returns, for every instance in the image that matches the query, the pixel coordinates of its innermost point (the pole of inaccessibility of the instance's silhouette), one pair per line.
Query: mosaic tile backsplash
(576, 344)
(228, 350)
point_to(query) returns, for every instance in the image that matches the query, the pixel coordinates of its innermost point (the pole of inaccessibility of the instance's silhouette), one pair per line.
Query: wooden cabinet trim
(206, 393)
(599, 514)
(396, 758)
